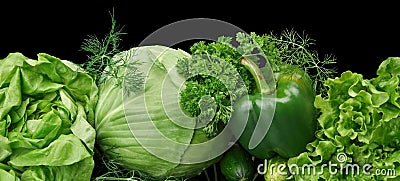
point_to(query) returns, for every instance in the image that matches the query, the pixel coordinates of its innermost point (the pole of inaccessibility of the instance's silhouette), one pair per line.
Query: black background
(360, 36)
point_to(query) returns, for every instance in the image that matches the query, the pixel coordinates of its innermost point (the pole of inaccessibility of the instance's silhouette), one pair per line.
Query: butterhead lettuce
(46, 106)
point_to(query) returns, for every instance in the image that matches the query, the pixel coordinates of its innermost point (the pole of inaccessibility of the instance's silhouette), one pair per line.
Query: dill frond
(106, 60)
(101, 51)
(297, 49)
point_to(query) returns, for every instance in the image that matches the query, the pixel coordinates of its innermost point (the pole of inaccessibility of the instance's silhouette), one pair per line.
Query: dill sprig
(105, 60)
(102, 51)
(293, 48)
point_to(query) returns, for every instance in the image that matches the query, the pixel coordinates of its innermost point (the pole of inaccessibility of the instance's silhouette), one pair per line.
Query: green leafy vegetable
(359, 121)
(46, 112)
(134, 130)
(125, 79)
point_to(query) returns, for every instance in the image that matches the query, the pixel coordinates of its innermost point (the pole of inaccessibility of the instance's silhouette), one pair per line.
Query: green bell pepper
(280, 120)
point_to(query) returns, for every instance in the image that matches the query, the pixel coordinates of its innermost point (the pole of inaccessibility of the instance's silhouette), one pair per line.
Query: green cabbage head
(134, 122)
(45, 109)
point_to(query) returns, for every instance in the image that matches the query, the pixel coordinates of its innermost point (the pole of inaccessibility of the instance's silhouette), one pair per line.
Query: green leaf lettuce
(359, 118)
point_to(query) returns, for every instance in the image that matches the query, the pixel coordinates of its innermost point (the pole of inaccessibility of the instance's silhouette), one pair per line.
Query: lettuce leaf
(46, 111)
(359, 119)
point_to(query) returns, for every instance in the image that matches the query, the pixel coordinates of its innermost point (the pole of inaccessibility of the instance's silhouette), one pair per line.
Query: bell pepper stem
(262, 86)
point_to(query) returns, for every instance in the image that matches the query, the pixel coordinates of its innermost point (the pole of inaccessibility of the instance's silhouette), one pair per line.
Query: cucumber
(237, 164)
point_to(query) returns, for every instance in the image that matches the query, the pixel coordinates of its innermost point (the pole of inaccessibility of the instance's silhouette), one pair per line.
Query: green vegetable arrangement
(46, 107)
(214, 79)
(143, 113)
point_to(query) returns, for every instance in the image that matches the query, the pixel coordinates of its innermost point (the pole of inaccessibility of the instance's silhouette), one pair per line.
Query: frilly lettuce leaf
(359, 119)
